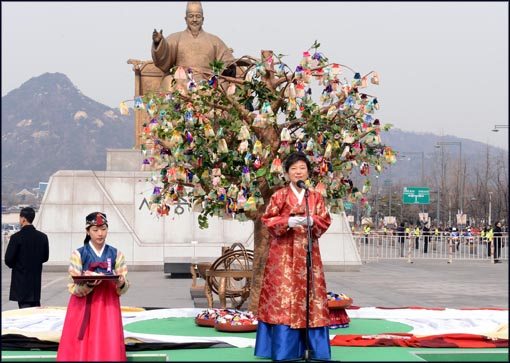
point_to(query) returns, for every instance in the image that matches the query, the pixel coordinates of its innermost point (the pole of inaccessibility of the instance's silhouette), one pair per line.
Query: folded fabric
(409, 340)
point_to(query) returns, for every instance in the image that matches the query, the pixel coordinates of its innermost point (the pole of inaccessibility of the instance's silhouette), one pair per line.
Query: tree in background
(227, 138)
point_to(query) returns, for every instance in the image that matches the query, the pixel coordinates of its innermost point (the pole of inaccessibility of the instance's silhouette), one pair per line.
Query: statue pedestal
(123, 160)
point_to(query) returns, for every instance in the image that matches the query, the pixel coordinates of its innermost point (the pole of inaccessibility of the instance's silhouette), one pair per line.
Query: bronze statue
(192, 48)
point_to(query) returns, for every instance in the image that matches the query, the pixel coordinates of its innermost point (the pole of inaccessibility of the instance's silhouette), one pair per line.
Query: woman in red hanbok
(282, 304)
(93, 328)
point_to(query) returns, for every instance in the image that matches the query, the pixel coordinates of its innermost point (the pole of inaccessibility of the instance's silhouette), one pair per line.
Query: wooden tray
(83, 278)
(205, 322)
(339, 304)
(235, 328)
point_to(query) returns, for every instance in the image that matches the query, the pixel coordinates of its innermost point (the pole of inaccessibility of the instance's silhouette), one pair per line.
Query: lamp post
(472, 219)
(442, 187)
(437, 205)
(357, 221)
(403, 155)
(376, 202)
(490, 208)
(495, 129)
(460, 179)
(389, 184)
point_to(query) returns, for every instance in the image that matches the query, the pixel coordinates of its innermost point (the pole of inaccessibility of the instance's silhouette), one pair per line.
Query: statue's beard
(195, 29)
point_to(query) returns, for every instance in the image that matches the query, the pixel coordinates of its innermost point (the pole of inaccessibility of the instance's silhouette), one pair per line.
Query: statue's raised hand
(157, 37)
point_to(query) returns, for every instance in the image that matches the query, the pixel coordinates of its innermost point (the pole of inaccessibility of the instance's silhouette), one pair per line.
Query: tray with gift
(237, 321)
(338, 301)
(207, 317)
(92, 278)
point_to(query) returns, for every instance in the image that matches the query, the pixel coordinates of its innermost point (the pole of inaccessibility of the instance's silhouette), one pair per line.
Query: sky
(443, 66)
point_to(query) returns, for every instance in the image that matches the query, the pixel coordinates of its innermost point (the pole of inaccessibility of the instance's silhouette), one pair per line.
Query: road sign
(416, 195)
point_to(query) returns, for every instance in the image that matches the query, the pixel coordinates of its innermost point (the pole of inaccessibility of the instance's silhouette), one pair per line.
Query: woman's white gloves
(294, 221)
(299, 221)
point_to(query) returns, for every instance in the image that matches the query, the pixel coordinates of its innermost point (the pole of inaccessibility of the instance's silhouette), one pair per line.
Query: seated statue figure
(192, 48)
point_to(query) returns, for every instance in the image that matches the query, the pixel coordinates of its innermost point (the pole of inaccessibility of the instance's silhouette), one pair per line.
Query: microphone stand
(309, 270)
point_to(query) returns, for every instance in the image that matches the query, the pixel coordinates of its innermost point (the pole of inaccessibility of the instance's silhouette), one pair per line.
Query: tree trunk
(261, 243)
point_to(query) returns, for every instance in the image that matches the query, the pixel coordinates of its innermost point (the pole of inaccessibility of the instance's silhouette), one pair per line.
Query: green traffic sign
(416, 195)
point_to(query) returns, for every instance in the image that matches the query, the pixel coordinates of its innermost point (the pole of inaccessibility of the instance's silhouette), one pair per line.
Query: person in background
(282, 305)
(28, 249)
(489, 236)
(93, 328)
(401, 233)
(426, 238)
(497, 241)
(417, 237)
(455, 237)
(366, 232)
(437, 235)
(408, 233)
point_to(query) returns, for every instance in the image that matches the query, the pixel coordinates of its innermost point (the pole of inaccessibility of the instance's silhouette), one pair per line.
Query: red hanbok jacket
(283, 294)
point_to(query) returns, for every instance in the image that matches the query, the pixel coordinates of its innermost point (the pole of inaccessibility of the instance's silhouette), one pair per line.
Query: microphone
(302, 185)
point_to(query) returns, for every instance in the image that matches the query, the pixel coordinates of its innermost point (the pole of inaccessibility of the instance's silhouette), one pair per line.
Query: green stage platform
(187, 327)
(341, 354)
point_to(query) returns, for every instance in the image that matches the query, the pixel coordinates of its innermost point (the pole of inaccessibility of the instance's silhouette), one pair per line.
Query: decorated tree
(227, 138)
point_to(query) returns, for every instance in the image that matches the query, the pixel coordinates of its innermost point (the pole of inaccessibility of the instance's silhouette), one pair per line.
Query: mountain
(49, 125)
(410, 145)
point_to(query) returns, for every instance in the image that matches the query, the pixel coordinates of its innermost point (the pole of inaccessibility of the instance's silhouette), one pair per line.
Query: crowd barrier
(376, 246)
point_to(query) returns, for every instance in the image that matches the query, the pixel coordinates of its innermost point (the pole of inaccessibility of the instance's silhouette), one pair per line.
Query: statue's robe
(185, 50)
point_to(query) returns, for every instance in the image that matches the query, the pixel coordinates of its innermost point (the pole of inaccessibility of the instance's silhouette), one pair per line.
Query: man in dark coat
(498, 233)
(28, 249)
(401, 233)
(426, 238)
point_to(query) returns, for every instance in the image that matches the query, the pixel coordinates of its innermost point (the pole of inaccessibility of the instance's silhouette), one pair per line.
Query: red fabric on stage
(104, 335)
(355, 307)
(409, 340)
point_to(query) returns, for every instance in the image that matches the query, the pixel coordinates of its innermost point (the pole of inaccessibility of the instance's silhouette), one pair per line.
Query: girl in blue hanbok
(93, 328)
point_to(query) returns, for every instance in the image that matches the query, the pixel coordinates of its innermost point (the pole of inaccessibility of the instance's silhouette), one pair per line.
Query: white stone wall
(144, 238)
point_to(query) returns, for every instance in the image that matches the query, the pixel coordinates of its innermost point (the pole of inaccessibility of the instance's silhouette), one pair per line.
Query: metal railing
(380, 246)
(443, 247)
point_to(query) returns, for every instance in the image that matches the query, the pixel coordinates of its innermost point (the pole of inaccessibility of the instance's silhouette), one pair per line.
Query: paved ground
(392, 283)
